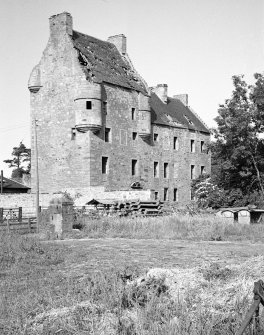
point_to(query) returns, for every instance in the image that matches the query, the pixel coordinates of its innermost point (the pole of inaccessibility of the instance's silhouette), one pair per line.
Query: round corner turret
(88, 108)
(34, 83)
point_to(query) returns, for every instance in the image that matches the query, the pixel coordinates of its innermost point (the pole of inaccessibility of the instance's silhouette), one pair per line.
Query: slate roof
(12, 184)
(175, 113)
(105, 63)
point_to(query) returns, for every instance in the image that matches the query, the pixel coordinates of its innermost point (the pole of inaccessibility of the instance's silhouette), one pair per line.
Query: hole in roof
(188, 119)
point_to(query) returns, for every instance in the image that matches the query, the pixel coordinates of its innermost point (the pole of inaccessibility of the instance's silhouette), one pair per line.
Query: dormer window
(88, 104)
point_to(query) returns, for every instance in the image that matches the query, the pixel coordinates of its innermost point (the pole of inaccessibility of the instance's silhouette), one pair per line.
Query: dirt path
(88, 255)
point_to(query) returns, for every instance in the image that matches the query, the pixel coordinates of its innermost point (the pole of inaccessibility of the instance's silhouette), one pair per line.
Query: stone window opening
(202, 170)
(192, 171)
(134, 136)
(202, 146)
(166, 170)
(107, 135)
(134, 167)
(104, 165)
(155, 137)
(156, 169)
(175, 143)
(156, 195)
(175, 195)
(88, 104)
(192, 146)
(166, 193)
(133, 113)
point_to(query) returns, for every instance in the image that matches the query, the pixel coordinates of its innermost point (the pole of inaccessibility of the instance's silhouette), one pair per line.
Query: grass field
(129, 285)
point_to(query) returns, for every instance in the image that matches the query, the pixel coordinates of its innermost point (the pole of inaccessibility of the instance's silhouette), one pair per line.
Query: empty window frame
(166, 170)
(88, 104)
(175, 143)
(104, 165)
(134, 136)
(202, 146)
(155, 137)
(107, 135)
(192, 171)
(166, 194)
(156, 169)
(134, 167)
(192, 146)
(175, 194)
(202, 170)
(156, 195)
(133, 114)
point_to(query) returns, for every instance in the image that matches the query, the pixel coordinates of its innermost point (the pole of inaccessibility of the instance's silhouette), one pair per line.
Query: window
(175, 194)
(155, 137)
(202, 170)
(156, 195)
(166, 170)
(156, 169)
(88, 104)
(104, 165)
(192, 146)
(107, 135)
(134, 136)
(134, 167)
(133, 114)
(175, 143)
(202, 146)
(166, 198)
(105, 107)
(192, 171)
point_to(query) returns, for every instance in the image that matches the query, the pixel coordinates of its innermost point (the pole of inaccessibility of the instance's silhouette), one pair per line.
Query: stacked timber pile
(124, 208)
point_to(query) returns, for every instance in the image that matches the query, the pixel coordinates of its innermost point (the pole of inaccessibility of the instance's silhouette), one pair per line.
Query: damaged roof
(176, 114)
(103, 63)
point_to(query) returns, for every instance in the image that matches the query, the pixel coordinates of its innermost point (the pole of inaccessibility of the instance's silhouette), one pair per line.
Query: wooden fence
(25, 225)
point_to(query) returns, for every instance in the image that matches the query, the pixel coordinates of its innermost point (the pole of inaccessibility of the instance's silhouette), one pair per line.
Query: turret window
(156, 169)
(107, 135)
(134, 167)
(104, 165)
(133, 114)
(88, 104)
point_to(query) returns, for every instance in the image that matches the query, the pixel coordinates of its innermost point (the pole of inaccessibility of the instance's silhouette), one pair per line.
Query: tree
(238, 149)
(20, 161)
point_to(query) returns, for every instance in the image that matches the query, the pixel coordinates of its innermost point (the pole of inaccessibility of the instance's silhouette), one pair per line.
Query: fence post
(8, 225)
(29, 225)
(20, 214)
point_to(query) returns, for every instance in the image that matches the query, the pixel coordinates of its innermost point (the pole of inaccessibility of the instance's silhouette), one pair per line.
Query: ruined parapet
(60, 217)
(144, 116)
(88, 108)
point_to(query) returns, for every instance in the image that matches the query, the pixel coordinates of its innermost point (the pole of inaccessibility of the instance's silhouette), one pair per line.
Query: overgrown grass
(38, 297)
(198, 227)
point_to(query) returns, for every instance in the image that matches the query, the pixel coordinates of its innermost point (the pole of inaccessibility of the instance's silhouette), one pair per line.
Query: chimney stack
(162, 92)
(183, 98)
(119, 41)
(61, 24)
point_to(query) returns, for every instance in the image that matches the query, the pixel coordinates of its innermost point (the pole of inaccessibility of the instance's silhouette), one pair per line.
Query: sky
(193, 46)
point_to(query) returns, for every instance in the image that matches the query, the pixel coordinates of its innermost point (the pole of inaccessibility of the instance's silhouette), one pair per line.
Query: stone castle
(99, 126)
